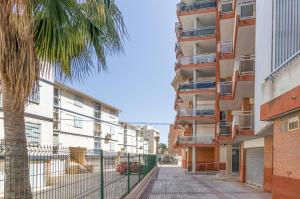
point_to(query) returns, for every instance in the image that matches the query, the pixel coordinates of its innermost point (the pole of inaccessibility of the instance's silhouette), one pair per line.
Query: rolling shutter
(255, 166)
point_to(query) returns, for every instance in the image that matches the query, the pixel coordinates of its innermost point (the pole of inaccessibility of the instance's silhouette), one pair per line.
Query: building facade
(172, 138)
(152, 137)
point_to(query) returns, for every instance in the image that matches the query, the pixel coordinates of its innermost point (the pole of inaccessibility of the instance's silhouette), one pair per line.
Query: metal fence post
(128, 173)
(101, 174)
(140, 167)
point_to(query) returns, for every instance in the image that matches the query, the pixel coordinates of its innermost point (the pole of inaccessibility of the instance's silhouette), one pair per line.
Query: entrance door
(235, 160)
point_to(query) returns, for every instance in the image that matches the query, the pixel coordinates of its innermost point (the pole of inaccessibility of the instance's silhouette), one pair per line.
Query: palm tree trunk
(17, 182)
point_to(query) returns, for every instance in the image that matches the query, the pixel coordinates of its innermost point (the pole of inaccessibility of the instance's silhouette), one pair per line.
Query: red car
(134, 167)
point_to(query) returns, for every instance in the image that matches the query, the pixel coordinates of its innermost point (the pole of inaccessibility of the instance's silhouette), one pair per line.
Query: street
(173, 183)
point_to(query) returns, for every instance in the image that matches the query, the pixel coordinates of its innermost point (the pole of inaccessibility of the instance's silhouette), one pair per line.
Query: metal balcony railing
(197, 86)
(195, 139)
(225, 88)
(209, 111)
(225, 6)
(197, 5)
(225, 128)
(245, 65)
(198, 59)
(202, 31)
(225, 47)
(243, 120)
(246, 9)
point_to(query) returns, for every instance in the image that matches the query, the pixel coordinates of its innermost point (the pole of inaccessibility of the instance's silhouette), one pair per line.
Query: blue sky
(139, 82)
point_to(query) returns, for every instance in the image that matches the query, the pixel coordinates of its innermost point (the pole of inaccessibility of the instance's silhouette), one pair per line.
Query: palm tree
(71, 38)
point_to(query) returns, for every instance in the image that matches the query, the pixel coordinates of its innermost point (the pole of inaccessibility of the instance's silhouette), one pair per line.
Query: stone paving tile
(173, 183)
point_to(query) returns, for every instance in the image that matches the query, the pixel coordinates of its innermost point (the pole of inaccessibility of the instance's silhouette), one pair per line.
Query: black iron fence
(69, 172)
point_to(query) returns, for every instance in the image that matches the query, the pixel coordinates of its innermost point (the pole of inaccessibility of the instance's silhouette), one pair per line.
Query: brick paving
(173, 183)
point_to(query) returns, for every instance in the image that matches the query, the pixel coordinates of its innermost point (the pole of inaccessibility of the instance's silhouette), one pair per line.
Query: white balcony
(197, 5)
(186, 140)
(225, 47)
(245, 65)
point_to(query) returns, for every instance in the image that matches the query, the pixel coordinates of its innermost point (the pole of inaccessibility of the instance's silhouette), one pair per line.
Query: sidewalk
(173, 183)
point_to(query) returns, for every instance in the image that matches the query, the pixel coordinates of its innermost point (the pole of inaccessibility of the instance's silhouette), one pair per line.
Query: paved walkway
(173, 183)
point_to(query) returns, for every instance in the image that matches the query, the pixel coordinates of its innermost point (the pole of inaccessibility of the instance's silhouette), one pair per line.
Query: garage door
(255, 166)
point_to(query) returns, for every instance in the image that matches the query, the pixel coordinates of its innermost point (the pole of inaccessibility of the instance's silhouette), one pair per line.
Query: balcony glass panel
(225, 128)
(195, 139)
(226, 6)
(243, 119)
(246, 9)
(203, 31)
(225, 88)
(197, 86)
(196, 112)
(225, 47)
(198, 5)
(198, 59)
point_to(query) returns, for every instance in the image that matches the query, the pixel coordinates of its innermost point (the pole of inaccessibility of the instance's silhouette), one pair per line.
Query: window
(55, 119)
(34, 96)
(78, 101)
(98, 111)
(293, 123)
(247, 10)
(97, 129)
(77, 122)
(55, 140)
(56, 97)
(226, 7)
(112, 130)
(33, 132)
(97, 143)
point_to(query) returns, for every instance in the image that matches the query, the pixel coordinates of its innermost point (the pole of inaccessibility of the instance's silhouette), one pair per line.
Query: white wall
(263, 54)
(205, 130)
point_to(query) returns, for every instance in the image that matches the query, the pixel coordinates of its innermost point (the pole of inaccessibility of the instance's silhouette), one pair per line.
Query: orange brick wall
(268, 163)
(286, 163)
(205, 154)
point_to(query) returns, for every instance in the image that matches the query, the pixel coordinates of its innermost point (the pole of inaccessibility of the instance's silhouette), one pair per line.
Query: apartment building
(38, 114)
(83, 121)
(214, 80)
(152, 136)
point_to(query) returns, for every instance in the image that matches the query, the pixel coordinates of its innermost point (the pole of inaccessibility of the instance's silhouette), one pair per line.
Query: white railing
(225, 6)
(198, 59)
(195, 139)
(245, 65)
(225, 88)
(246, 9)
(207, 111)
(243, 119)
(201, 31)
(225, 47)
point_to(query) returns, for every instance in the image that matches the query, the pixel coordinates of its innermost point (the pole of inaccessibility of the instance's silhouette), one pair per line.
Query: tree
(71, 38)
(163, 148)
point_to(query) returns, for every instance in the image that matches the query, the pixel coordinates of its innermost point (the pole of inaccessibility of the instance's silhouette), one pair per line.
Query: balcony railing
(225, 6)
(202, 31)
(195, 139)
(197, 5)
(225, 47)
(246, 9)
(198, 59)
(196, 112)
(196, 86)
(225, 88)
(245, 65)
(225, 128)
(243, 120)
(178, 49)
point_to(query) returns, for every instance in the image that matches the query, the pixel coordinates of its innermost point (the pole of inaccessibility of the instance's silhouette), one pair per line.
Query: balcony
(245, 65)
(178, 50)
(187, 35)
(195, 140)
(246, 9)
(243, 120)
(194, 61)
(225, 128)
(196, 112)
(195, 6)
(225, 6)
(225, 88)
(204, 85)
(225, 48)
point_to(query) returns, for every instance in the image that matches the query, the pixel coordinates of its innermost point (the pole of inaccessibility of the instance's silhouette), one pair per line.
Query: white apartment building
(38, 114)
(83, 121)
(151, 135)
(128, 138)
